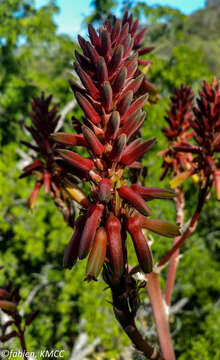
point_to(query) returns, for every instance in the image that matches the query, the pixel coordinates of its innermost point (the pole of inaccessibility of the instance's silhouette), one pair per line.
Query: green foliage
(102, 9)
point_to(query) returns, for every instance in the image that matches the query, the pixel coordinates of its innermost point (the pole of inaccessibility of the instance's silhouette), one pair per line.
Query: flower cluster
(112, 99)
(195, 140)
(179, 119)
(112, 93)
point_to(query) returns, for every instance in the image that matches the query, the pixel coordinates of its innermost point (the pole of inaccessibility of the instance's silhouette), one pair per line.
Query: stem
(157, 302)
(174, 258)
(124, 294)
(202, 197)
(22, 340)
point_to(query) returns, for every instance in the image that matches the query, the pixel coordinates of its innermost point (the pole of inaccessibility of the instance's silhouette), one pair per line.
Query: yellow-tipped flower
(97, 255)
(7, 305)
(179, 179)
(77, 194)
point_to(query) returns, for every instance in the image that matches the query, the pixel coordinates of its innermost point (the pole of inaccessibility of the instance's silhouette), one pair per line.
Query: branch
(191, 227)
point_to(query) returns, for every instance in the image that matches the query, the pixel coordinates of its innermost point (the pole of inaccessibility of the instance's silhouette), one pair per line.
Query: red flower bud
(93, 218)
(142, 248)
(134, 199)
(94, 143)
(113, 227)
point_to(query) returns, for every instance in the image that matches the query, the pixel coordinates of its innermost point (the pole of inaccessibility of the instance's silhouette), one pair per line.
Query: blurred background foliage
(75, 316)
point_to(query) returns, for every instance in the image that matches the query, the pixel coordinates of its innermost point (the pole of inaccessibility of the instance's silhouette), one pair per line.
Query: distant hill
(199, 31)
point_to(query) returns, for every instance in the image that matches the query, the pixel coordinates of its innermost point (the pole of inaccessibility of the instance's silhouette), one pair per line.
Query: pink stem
(202, 197)
(157, 302)
(174, 258)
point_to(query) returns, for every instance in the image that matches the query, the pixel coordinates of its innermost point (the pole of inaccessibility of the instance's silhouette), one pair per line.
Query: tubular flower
(112, 94)
(197, 152)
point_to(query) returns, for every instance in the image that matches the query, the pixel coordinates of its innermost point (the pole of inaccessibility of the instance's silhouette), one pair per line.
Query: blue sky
(72, 12)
